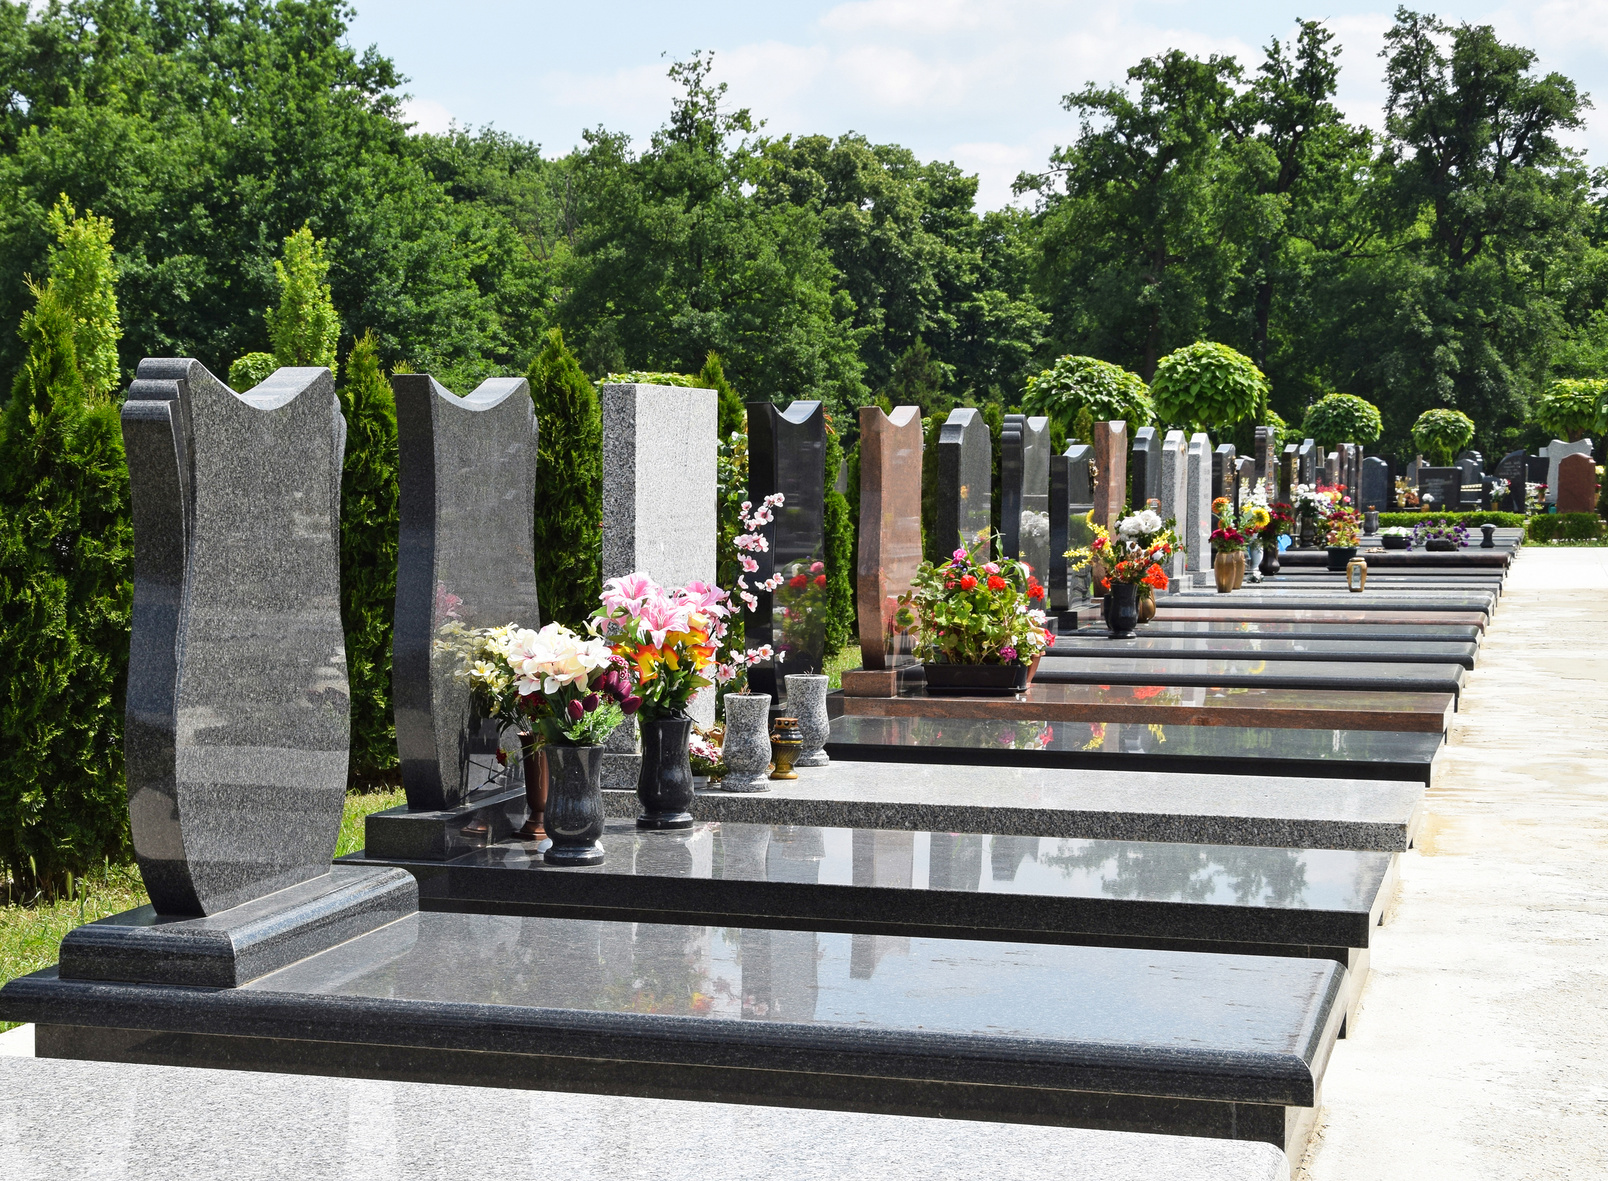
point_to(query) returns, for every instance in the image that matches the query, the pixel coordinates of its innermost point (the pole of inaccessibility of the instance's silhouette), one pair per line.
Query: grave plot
(1099, 645)
(1252, 599)
(1295, 612)
(1367, 630)
(1218, 672)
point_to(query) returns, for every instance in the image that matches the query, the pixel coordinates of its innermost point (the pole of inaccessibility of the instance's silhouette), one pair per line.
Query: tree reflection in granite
(1188, 873)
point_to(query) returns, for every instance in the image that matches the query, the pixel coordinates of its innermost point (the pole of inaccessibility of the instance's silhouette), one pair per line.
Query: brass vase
(1223, 571)
(787, 741)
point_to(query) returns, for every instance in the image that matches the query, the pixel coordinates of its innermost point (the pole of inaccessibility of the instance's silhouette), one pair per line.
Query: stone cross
(1554, 452)
(787, 454)
(890, 529)
(1111, 471)
(1577, 484)
(965, 477)
(1198, 505)
(1175, 493)
(1024, 477)
(1375, 485)
(1146, 459)
(238, 715)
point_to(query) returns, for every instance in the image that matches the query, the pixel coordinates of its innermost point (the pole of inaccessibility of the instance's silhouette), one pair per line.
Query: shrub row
(1565, 527)
(1408, 520)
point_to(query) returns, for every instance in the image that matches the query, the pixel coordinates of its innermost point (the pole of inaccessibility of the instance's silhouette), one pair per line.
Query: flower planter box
(1393, 542)
(975, 680)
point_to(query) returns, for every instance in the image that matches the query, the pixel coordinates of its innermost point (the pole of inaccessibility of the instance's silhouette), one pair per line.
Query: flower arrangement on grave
(732, 671)
(1406, 494)
(1100, 549)
(1280, 520)
(1499, 489)
(668, 636)
(1227, 537)
(569, 686)
(704, 750)
(1343, 528)
(1395, 531)
(1139, 553)
(970, 611)
(1441, 532)
(1535, 498)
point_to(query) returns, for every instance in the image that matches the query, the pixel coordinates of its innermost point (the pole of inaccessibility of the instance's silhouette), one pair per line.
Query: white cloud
(429, 117)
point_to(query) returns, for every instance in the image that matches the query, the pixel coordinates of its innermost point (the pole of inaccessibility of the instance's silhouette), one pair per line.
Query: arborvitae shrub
(733, 417)
(66, 549)
(839, 529)
(368, 560)
(251, 371)
(569, 485)
(304, 327)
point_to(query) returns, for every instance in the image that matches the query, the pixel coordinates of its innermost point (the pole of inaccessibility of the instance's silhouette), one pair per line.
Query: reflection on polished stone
(1372, 629)
(1270, 648)
(1295, 613)
(1250, 669)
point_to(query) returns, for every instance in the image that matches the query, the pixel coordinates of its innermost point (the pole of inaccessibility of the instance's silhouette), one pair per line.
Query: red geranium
(996, 583)
(1035, 590)
(820, 580)
(968, 582)
(1156, 577)
(798, 581)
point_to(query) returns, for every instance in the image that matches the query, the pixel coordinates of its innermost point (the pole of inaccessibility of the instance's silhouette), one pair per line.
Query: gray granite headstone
(1331, 469)
(1175, 492)
(965, 478)
(238, 715)
(1267, 454)
(1289, 471)
(1554, 452)
(1225, 470)
(1511, 469)
(1080, 473)
(1068, 507)
(1245, 468)
(1375, 484)
(1307, 462)
(1145, 473)
(787, 454)
(1474, 457)
(466, 478)
(1024, 477)
(1473, 480)
(1198, 505)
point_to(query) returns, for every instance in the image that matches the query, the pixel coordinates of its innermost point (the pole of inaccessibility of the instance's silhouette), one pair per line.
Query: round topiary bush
(1572, 408)
(1342, 418)
(1075, 386)
(1207, 385)
(1443, 433)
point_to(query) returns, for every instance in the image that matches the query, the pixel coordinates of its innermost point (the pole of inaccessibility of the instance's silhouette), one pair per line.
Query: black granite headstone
(1289, 471)
(787, 454)
(1024, 474)
(1375, 484)
(467, 479)
(1307, 462)
(1511, 469)
(965, 473)
(1144, 472)
(1246, 468)
(1444, 484)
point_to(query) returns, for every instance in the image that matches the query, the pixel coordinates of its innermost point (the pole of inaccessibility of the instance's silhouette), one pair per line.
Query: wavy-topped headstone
(787, 455)
(1144, 467)
(465, 560)
(1071, 500)
(965, 480)
(1024, 476)
(890, 530)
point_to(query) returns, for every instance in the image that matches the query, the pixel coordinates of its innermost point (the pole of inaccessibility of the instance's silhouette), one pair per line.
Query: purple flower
(1007, 654)
(631, 704)
(589, 702)
(576, 713)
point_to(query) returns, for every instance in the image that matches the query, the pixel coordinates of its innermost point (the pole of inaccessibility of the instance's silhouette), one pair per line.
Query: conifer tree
(569, 485)
(733, 416)
(368, 560)
(839, 531)
(82, 274)
(66, 547)
(252, 370)
(304, 327)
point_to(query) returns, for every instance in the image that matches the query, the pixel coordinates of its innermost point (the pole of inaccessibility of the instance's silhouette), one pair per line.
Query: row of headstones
(1567, 470)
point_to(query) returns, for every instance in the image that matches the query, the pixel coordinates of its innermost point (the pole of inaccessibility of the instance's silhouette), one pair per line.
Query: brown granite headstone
(1577, 484)
(890, 543)
(1111, 464)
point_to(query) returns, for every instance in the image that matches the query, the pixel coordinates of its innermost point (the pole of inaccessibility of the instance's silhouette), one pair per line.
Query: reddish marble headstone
(890, 527)
(1577, 484)
(1111, 466)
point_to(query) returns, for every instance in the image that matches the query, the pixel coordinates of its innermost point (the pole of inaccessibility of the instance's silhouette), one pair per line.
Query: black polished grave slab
(1471, 558)
(787, 455)
(1142, 1040)
(1405, 601)
(1434, 632)
(1132, 746)
(1233, 672)
(1100, 645)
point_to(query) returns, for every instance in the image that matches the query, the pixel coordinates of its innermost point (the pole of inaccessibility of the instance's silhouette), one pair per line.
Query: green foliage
(733, 417)
(1484, 517)
(1077, 392)
(304, 327)
(251, 371)
(1564, 527)
(66, 547)
(919, 379)
(731, 489)
(82, 274)
(1572, 408)
(1205, 386)
(644, 377)
(569, 485)
(1443, 433)
(840, 573)
(1342, 418)
(368, 559)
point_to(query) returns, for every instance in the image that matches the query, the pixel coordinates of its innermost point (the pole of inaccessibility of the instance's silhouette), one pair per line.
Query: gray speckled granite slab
(1187, 1043)
(1087, 804)
(65, 1121)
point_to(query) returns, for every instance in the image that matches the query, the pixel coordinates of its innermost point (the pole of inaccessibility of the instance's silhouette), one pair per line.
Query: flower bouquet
(980, 624)
(1343, 529)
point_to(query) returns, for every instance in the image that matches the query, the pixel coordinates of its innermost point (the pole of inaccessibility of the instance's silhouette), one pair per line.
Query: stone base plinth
(483, 820)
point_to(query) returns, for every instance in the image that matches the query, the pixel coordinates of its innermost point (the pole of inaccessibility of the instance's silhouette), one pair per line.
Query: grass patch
(31, 935)
(845, 661)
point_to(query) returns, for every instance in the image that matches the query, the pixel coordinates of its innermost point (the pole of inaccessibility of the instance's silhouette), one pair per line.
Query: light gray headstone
(1175, 492)
(1080, 501)
(1331, 469)
(965, 478)
(238, 715)
(1289, 471)
(1024, 477)
(1198, 505)
(1246, 471)
(1375, 484)
(1225, 470)
(1554, 453)
(1145, 473)
(1267, 454)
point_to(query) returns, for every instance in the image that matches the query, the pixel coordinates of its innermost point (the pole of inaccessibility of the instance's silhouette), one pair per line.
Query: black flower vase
(1270, 558)
(574, 816)
(1124, 598)
(664, 785)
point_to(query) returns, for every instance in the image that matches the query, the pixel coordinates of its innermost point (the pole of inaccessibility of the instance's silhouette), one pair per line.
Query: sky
(978, 83)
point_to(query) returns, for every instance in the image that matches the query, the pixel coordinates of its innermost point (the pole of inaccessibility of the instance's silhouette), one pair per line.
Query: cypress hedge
(569, 485)
(839, 556)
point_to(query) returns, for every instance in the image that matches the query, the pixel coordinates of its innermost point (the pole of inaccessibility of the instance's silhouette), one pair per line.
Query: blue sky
(976, 83)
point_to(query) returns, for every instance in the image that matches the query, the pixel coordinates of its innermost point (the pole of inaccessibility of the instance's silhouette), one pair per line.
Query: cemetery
(852, 757)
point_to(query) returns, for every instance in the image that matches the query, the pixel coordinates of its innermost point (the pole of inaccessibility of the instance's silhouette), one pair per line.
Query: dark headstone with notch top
(1145, 472)
(1224, 471)
(1024, 476)
(1444, 484)
(965, 478)
(1307, 461)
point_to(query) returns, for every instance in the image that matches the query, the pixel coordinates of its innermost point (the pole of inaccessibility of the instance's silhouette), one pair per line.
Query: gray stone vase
(574, 818)
(806, 701)
(746, 749)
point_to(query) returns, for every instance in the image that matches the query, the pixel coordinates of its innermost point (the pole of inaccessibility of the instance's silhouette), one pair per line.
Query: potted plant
(1137, 532)
(572, 690)
(1396, 537)
(979, 624)
(1440, 536)
(1342, 531)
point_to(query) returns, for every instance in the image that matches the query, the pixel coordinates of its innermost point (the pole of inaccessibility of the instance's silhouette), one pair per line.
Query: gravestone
(1110, 471)
(1375, 485)
(1198, 505)
(1058, 581)
(1289, 471)
(890, 531)
(1175, 493)
(1024, 471)
(1246, 471)
(1306, 457)
(1577, 484)
(1535, 468)
(1444, 484)
(965, 476)
(787, 454)
(1223, 471)
(465, 560)
(1331, 469)
(1554, 452)
(1267, 457)
(1146, 474)
(1078, 465)
(1474, 457)
(1472, 481)
(1511, 469)
(1413, 467)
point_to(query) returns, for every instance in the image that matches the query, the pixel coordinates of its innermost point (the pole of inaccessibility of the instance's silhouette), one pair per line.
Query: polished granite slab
(71, 1121)
(1252, 670)
(1333, 709)
(1371, 629)
(1406, 601)
(1128, 1039)
(1175, 806)
(1101, 645)
(1134, 747)
(1471, 558)
(1295, 613)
